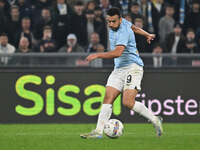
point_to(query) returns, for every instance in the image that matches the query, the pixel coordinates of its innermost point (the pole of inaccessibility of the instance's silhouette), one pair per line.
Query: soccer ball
(113, 128)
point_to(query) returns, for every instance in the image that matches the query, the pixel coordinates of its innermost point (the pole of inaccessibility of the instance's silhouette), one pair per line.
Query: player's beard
(115, 28)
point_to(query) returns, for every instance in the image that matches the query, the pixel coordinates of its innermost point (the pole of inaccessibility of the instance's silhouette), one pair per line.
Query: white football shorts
(128, 77)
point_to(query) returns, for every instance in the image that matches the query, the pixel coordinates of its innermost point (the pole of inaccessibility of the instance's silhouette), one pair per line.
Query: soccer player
(127, 73)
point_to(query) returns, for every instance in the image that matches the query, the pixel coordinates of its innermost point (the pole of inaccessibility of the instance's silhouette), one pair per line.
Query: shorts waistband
(129, 66)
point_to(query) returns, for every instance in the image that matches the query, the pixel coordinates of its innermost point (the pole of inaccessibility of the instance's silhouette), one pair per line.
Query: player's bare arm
(117, 52)
(140, 31)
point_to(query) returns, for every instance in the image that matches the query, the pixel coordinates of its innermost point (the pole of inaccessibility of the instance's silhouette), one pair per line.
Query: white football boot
(91, 135)
(158, 126)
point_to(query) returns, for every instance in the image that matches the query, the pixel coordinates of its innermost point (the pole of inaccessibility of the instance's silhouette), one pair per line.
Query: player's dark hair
(114, 11)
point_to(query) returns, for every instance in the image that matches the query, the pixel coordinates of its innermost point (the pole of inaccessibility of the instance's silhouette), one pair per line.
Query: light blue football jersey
(125, 36)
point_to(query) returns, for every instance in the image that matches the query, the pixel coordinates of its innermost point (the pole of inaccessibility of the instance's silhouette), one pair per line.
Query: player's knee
(125, 103)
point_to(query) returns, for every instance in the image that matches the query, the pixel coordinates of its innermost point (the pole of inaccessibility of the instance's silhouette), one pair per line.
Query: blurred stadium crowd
(80, 26)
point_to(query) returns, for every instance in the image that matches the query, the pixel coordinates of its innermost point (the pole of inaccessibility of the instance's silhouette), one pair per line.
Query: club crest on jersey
(137, 52)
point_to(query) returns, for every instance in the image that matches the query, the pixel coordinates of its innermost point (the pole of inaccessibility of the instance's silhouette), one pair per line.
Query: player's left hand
(150, 37)
(91, 57)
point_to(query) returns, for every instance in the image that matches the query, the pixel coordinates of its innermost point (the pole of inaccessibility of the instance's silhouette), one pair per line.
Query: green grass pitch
(66, 137)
